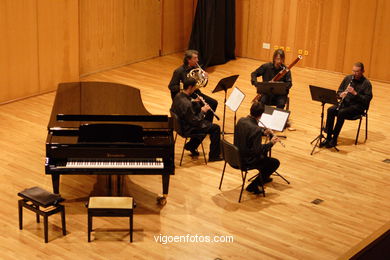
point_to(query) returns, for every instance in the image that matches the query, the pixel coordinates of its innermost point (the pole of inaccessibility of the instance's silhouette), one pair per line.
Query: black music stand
(324, 96)
(272, 88)
(224, 84)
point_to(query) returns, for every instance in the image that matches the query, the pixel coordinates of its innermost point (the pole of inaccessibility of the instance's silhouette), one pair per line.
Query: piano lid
(82, 102)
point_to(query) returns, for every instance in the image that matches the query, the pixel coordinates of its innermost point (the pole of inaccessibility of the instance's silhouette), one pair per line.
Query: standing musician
(248, 139)
(268, 71)
(194, 122)
(355, 92)
(190, 62)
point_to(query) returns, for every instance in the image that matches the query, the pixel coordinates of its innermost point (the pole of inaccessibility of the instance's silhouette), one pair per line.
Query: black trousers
(214, 131)
(274, 100)
(343, 113)
(266, 166)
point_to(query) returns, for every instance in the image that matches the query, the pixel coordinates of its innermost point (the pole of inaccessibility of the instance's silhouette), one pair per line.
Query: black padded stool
(110, 207)
(36, 197)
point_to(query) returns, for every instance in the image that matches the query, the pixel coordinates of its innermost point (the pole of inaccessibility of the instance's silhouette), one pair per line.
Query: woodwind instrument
(345, 91)
(281, 74)
(270, 136)
(204, 102)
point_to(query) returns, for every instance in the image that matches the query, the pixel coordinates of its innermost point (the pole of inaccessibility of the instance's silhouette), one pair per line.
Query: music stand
(324, 96)
(272, 88)
(224, 84)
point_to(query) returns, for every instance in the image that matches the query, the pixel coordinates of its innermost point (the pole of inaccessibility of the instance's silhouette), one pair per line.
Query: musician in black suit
(356, 93)
(190, 62)
(268, 71)
(194, 122)
(248, 139)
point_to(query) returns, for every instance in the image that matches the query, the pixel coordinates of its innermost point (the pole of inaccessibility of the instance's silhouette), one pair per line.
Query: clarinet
(345, 91)
(270, 136)
(204, 103)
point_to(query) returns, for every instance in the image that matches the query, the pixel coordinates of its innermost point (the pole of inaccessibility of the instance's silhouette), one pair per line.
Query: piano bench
(110, 207)
(43, 203)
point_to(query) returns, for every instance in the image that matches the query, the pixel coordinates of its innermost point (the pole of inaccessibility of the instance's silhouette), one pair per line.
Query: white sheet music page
(235, 99)
(274, 121)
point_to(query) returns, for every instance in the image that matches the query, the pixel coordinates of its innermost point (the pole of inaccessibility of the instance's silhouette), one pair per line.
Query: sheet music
(275, 120)
(235, 99)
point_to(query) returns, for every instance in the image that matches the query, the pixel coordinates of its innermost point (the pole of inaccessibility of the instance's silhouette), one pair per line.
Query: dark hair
(187, 82)
(257, 109)
(278, 52)
(188, 55)
(360, 65)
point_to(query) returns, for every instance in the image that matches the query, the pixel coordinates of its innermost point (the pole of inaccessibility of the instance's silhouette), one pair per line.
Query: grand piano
(104, 128)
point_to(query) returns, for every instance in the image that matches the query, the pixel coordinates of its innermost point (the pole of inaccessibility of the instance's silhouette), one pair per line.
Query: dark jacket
(363, 87)
(247, 138)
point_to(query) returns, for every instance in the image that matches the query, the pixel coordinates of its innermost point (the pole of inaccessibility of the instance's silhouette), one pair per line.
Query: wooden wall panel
(242, 18)
(18, 49)
(118, 32)
(360, 34)
(332, 40)
(176, 25)
(58, 41)
(378, 67)
(335, 33)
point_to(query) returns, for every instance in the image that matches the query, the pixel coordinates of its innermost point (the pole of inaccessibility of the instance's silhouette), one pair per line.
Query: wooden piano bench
(110, 207)
(35, 198)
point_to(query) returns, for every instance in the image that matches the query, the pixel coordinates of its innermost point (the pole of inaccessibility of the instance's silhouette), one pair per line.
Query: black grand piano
(104, 128)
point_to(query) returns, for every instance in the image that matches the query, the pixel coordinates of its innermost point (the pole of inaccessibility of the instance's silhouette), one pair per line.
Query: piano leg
(162, 200)
(55, 179)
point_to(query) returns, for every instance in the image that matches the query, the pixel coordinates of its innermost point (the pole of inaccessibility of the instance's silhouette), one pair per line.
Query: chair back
(231, 154)
(176, 123)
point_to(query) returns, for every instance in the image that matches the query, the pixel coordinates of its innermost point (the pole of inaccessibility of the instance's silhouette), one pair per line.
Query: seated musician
(268, 71)
(190, 62)
(355, 92)
(248, 139)
(194, 122)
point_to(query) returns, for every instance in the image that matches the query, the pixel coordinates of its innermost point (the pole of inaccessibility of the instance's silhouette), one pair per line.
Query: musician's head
(189, 85)
(278, 58)
(191, 58)
(358, 70)
(257, 109)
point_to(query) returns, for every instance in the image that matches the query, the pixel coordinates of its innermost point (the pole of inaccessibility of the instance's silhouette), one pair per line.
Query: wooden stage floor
(353, 183)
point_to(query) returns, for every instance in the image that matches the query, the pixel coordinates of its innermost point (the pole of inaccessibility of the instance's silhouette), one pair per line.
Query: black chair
(231, 155)
(177, 128)
(360, 117)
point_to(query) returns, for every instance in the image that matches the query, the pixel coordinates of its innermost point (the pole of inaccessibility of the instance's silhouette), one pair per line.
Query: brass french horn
(199, 75)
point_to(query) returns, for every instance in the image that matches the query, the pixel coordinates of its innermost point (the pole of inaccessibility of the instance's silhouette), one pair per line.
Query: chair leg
(46, 228)
(243, 184)
(174, 140)
(357, 135)
(63, 221)
(89, 227)
(37, 215)
(182, 153)
(366, 128)
(204, 155)
(131, 227)
(20, 207)
(223, 173)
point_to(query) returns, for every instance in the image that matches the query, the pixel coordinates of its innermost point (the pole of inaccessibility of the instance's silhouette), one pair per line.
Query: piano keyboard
(156, 163)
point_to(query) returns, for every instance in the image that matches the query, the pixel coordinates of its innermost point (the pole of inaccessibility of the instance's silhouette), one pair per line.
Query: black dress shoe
(193, 151)
(332, 143)
(253, 188)
(215, 159)
(324, 143)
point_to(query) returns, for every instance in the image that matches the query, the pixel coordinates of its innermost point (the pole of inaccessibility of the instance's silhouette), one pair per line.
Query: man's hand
(268, 131)
(351, 90)
(275, 139)
(205, 108)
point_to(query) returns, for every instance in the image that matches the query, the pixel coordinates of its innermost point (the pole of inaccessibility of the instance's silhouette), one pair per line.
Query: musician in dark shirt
(194, 122)
(268, 71)
(356, 93)
(248, 139)
(190, 62)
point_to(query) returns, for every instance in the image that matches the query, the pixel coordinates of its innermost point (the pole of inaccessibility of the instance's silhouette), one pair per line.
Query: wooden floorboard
(353, 183)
